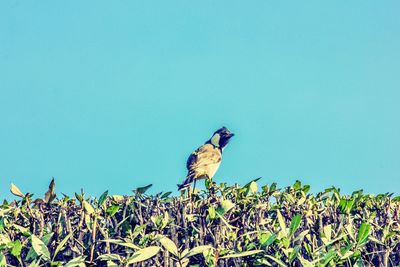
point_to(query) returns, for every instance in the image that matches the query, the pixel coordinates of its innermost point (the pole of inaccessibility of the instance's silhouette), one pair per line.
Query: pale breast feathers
(204, 156)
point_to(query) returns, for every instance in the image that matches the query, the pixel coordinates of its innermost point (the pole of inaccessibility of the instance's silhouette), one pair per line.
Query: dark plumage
(204, 161)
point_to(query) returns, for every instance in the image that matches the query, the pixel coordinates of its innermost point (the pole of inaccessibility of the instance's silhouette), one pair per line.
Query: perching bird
(204, 162)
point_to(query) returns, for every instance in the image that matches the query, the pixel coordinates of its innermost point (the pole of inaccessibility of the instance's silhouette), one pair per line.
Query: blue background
(116, 94)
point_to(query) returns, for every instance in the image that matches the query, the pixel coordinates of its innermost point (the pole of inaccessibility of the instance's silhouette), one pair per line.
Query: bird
(204, 162)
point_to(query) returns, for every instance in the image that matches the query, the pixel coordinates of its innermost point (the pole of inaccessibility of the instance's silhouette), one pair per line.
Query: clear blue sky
(116, 94)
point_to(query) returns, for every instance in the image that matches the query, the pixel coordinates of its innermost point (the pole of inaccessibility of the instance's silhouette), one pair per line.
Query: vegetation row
(219, 226)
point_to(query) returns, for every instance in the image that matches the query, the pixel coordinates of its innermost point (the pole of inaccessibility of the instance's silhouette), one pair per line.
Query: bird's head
(221, 137)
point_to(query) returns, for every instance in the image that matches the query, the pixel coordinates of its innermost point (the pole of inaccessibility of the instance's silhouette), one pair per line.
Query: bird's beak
(231, 135)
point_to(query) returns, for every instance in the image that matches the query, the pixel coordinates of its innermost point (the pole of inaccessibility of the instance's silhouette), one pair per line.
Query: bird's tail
(189, 179)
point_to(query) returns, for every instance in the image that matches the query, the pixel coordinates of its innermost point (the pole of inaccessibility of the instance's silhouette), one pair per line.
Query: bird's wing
(205, 155)
(192, 159)
(202, 159)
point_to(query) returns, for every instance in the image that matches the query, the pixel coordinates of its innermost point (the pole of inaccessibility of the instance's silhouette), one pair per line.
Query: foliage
(220, 226)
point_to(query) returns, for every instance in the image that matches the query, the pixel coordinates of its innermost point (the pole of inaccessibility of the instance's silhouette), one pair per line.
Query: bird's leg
(194, 186)
(190, 193)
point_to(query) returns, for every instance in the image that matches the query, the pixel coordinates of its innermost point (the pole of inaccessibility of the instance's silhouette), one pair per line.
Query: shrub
(220, 226)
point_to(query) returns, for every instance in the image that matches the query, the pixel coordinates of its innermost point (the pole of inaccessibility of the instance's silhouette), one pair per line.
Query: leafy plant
(224, 225)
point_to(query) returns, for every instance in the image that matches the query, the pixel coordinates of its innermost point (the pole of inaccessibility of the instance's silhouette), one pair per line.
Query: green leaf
(121, 243)
(62, 244)
(300, 236)
(267, 239)
(297, 185)
(78, 261)
(16, 248)
(138, 229)
(253, 187)
(329, 256)
(281, 222)
(242, 254)
(304, 262)
(197, 250)
(50, 194)
(227, 205)
(280, 263)
(109, 257)
(31, 255)
(327, 232)
(294, 225)
(23, 230)
(169, 245)
(2, 224)
(142, 190)
(31, 252)
(293, 254)
(103, 198)
(306, 188)
(345, 252)
(208, 183)
(363, 233)
(166, 195)
(285, 242)
(3, 262)
(396, 199)
(349, 228)
(265, 188)
(4, 240)
(165, 220)
(35, 263)
(89, 209)
(272, 188)
(79, 197)
(46, 238)
(143, 254)
(112, 210)
(111, 264)
(118, 198)
(211, 212)
(15, 191)
(40, 248)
